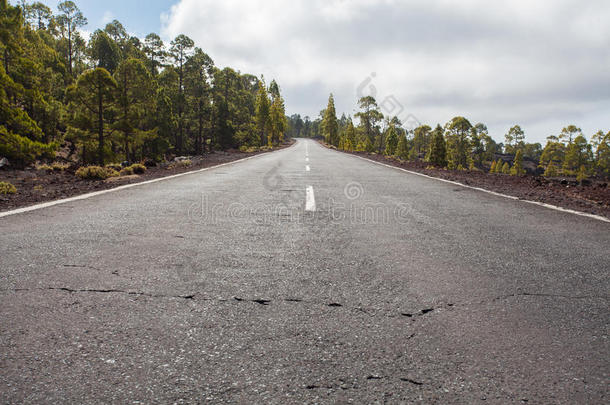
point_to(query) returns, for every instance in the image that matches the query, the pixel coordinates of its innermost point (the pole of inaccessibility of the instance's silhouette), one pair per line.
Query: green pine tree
(438, 149)
(402, 149)
(391, 142)
(551, 171)
(506, 168)
(330, 126)
(517, 169)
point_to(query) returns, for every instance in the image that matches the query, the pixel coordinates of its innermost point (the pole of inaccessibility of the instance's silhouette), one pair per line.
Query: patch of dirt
(37, 186)
(592, 198)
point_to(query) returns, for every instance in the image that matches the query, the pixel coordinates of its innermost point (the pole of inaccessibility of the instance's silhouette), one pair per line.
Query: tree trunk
(70, 49)
(200, 134)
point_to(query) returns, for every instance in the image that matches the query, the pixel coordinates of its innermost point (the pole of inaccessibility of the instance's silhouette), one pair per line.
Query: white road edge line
(126, 186)
(307, 168)
(310, 199)
(553, 207)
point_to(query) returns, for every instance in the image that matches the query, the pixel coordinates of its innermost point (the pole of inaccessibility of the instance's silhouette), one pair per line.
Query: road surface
(303, 276)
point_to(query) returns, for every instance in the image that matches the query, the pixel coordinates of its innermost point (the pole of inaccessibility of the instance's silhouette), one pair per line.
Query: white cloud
(107, 17)
(541, 64)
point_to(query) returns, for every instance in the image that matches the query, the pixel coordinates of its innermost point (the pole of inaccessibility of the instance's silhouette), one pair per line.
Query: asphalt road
(262, 282)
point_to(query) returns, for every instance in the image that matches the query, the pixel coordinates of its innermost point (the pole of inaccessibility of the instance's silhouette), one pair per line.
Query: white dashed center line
(307, 168)
(310, 199)
(307, 159)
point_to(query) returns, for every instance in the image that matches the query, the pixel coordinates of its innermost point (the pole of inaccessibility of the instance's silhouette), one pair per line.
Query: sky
(541, 64)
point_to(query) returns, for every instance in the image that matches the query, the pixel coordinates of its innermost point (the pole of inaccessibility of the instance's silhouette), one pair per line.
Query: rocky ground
(36, 186)
(592, 197)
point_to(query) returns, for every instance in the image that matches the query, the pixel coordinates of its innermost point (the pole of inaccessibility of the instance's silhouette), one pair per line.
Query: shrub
(59, 167)
(138, 168)
(185, 163)
(551, 171)
(23, 150)
(114, 166)
(126, 171)
(7, 188)
(95, 173)
(44, 167)
(493, 167)
(506, 168)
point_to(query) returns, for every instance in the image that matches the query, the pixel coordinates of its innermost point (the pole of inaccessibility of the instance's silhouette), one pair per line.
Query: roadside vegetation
(7, 188)
(460, 145)
(117, 98)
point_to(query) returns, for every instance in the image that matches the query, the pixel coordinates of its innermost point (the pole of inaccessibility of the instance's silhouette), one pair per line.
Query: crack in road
(101, 291)
(542, 295)
(82, 266)
(268, 302)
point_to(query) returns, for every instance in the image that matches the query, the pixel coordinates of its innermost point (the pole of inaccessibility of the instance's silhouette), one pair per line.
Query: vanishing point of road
(303, 276)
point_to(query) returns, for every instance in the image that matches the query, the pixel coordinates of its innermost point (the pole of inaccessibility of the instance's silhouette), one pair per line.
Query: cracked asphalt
(219, 287)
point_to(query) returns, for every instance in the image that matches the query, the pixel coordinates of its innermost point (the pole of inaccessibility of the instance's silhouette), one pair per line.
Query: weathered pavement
(220, 287)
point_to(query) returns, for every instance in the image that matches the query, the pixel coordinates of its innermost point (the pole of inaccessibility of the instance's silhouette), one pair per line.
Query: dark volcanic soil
(592, 198)
(36, 186)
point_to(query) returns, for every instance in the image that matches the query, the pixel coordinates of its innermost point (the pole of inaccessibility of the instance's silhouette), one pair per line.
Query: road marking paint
(545, 205)
(123, 187)
(307, 168)
(310, 199)
(307, 159)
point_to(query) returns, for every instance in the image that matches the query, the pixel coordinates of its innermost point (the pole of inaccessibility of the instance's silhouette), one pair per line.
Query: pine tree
(330, 126)
(402, 150)
(458, 144)
(517, 169)
(582, 174)
(262, 112)
(578, 153)
(438, 151)
(499, 165)
(602, 153)
(135, 98)
(551, 170)
(368, 145)
(391, 142)
(350, 136)
(91, 97)
(506, 168)
(413, 155)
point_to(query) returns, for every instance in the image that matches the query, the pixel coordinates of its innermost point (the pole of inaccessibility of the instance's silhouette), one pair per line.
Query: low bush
(95, 173)
(114, 166)
(44, 167)
(138, 168)
(59, 167)
(7, 188)
(126, 171)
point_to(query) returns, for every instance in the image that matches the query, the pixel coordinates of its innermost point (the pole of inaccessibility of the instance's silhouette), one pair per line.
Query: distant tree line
(460, 145)
(117, 97)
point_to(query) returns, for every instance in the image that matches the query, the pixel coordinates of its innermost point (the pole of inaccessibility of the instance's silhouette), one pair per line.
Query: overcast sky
(542, 64)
